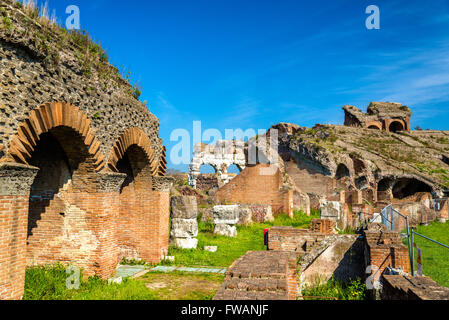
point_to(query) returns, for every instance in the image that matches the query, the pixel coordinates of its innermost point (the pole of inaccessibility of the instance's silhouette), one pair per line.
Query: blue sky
(251, 64)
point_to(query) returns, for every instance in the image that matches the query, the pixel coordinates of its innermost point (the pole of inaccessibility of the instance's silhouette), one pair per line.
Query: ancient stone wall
(81, 160)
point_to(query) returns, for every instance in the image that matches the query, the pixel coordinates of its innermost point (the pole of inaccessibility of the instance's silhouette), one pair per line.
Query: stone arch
(396, 126)
(140, 217)
(405, 187)
(135, 136)
(239, 168)
(342, 171)
(50, 116)
(374, 125)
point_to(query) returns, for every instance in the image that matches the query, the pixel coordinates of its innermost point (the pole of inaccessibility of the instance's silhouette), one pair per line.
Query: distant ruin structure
(220, 156)
(387, 116)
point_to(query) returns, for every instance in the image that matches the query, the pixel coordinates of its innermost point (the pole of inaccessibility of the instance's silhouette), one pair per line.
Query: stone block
(184, 228)
(225, 230)
(184, 207)
(211, 248)
(226, 214)
(186, 243)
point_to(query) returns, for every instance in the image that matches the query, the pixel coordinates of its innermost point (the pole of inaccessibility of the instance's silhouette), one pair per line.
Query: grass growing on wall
(249, 238)
(333, 289)
(435, 257)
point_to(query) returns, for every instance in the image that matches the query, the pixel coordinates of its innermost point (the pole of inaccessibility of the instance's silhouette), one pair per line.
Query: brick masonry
(385, 249)
(398, 287)
(81, 162)
(251, 186)
(261, 275)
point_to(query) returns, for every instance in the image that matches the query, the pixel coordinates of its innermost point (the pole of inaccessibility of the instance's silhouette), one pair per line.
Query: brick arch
(373, 124)
(47, 117)
(163, 162)
(135, 136)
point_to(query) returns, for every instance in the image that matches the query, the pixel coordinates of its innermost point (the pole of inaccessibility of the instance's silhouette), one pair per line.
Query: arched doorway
(59, 227)
(207, 169)
(374, 127)
(342, 172)
(135, 233)
(406, 187)
(396, 126)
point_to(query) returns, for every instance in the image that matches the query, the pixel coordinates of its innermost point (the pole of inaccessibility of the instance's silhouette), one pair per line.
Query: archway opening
(342, 172)
(384, 189)
(406, 187)
(207, 169)
(234, 169)
(57, 228)
(135, 202)
(373, 127)
(396, 126)
(361, 183)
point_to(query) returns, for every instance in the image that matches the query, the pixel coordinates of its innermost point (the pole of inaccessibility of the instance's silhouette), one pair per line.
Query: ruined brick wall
(261, 275)
(293, 239)
(70, 127)
(398, 287)
(385, 249)
(310, 180)
(15, 181)
(251, 186)
(325, 226)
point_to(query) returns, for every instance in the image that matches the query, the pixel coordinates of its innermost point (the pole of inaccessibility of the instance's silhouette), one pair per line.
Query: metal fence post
(413, 255)
(410, 257)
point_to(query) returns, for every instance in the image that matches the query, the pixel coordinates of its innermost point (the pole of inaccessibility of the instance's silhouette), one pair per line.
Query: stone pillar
(225, 219)
(15, 183)
(184, 212)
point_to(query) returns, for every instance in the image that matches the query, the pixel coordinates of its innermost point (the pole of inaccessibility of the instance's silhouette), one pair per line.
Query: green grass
(49, 283)
(353, 290)
(249, 238)
(435, 257)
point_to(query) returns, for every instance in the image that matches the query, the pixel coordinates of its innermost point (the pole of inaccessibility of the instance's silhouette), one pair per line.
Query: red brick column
(104, 207)
(101, 203)
(15, 182)
(160, 221)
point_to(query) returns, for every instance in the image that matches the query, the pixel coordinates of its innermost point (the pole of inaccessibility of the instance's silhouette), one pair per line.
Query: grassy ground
(249, 238)
(335, 290)
(435, 257)
(49, 283)
(182, 286)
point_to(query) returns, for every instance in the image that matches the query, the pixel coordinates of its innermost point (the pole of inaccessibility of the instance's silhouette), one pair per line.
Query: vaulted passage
(406, 187)
(135, 231)
(396, 126)
(342, 171)
(58, 230)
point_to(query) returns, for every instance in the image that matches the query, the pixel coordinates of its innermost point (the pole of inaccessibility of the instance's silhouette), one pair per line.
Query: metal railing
(392, 219)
